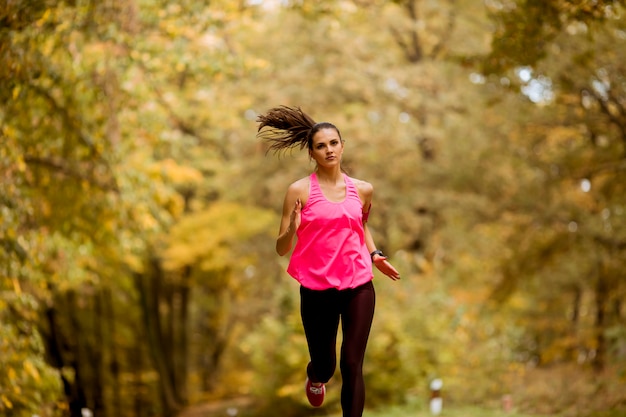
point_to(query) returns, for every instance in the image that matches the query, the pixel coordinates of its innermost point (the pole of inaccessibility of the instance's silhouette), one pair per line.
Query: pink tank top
(331, 251)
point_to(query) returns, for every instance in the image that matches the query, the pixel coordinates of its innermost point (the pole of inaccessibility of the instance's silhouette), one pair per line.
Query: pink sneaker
(314, 394)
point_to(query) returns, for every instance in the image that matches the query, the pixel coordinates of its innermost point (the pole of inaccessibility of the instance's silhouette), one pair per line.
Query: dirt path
(224, 408)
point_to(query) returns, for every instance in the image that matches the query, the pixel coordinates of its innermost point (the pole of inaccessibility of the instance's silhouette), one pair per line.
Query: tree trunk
(602, 294)
(148, 287)
(55, 347)
(98, 356)
(576, 302)
(114, 365)
(136, 361)
(182, 335)
(78, 400)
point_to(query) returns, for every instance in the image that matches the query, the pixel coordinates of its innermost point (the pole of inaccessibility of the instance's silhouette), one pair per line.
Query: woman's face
(327, 147)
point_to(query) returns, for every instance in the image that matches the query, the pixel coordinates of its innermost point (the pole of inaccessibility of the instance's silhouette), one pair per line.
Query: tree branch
(445, 37)
(70, 123)
(60, 167)
(604, 106)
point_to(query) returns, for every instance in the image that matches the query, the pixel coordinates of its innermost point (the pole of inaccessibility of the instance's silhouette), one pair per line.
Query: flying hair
(285, 128)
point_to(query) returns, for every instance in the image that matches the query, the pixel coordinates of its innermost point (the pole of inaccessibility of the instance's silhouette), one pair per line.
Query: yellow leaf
(21, 165)
(16, 286)
(43, 18)
(32, 371)
(7, 403)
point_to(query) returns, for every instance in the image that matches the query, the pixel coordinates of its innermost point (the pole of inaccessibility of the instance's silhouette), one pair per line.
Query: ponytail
(284, 128)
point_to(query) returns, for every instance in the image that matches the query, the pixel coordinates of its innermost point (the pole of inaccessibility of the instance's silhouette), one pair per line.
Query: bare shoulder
(365, 188)
(299, 186)
(299, 189)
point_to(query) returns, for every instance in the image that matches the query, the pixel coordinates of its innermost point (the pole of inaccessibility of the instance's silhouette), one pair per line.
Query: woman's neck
(329, 176)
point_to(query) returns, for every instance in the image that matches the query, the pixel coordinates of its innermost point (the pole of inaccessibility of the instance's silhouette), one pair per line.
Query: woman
(333, 256)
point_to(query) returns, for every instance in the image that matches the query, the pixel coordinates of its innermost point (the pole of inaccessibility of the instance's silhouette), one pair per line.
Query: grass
(410, 410)
(468, 411)
(447, 412)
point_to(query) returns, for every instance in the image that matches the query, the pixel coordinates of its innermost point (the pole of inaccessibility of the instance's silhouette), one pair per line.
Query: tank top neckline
(319, 189)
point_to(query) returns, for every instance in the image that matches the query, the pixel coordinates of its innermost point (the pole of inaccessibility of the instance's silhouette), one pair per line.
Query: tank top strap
(315, 192)
(351, 190)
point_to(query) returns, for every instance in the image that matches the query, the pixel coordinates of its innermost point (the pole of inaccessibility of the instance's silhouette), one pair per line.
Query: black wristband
(376, 252)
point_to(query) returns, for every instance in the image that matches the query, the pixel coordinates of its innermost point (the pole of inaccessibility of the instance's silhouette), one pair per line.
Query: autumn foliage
(138, 210)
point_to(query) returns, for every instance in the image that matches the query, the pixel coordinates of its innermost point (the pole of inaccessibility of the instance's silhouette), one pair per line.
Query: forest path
(222, 408)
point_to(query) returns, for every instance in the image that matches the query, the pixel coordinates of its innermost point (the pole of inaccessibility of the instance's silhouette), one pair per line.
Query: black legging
(320, 312)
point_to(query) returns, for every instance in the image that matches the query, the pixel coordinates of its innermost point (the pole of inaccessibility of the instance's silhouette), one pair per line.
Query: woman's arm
(380, 261)
(366, 192)
(290, 220)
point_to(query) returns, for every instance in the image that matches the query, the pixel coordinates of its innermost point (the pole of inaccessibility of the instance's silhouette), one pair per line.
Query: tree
(136, 200)
(578, 145)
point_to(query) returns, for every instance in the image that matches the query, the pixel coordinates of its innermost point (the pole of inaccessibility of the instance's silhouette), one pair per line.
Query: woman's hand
(295, 218)
(289, 222)
(385, 267)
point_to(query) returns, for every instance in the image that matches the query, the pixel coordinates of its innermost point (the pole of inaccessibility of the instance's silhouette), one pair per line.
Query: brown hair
(289, 127)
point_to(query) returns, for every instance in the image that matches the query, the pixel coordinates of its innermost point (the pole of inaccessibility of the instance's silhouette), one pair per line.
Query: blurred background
(138, 210)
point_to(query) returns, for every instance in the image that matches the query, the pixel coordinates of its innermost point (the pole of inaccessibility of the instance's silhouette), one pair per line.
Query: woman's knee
(322, 371)
(351, 366)
(326, 375)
